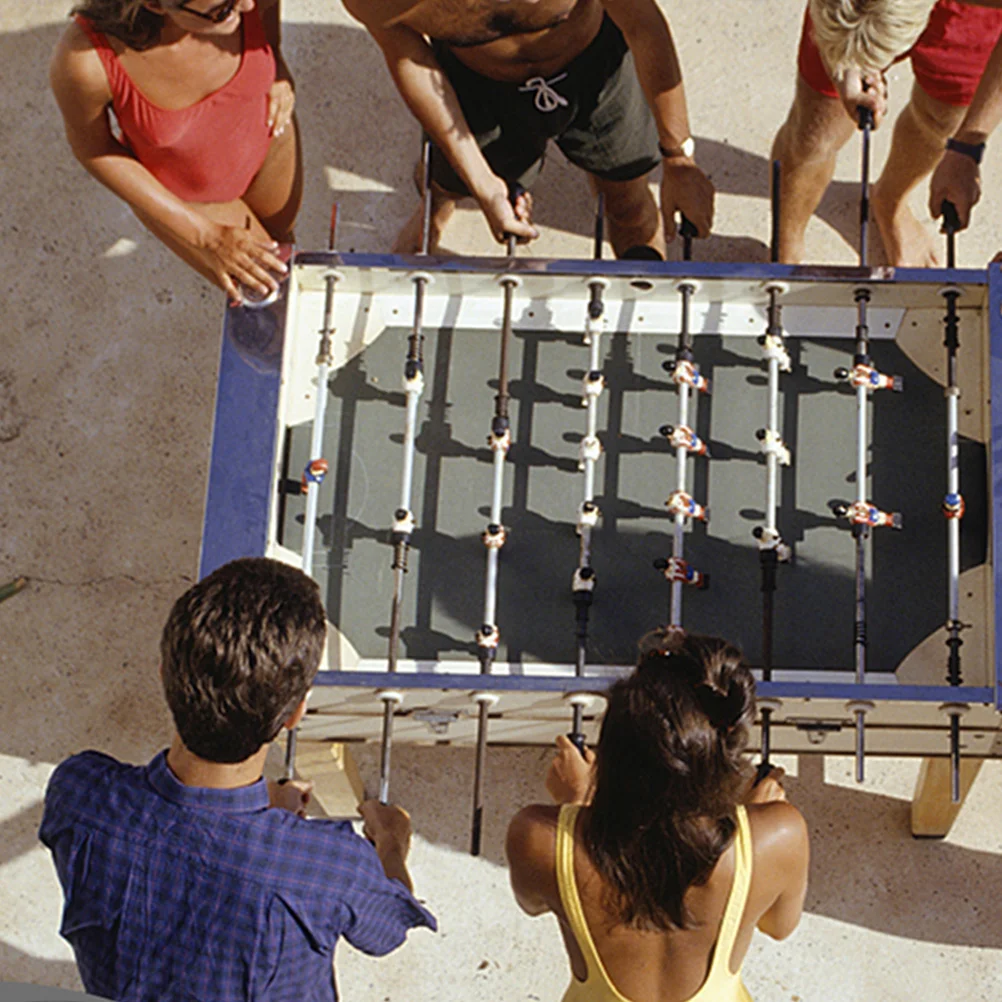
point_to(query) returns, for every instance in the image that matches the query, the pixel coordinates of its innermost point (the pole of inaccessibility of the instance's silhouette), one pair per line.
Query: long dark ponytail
(670, 771)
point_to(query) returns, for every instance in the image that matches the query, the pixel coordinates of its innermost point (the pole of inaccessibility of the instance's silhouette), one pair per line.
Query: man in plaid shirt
(185, 878)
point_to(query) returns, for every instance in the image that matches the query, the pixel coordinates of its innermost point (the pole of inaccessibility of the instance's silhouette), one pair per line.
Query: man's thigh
(613, 134)
(511, 135)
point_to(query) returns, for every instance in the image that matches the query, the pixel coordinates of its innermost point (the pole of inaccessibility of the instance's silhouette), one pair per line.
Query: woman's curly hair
(130, 21)
(670, 771)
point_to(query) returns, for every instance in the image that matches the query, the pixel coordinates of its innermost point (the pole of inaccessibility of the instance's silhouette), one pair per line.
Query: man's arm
(388, 828)
(684, 188)
(430, 97)
(957, 179)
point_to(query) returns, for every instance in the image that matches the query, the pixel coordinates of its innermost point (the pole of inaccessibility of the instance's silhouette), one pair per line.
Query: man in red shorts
(956, 102)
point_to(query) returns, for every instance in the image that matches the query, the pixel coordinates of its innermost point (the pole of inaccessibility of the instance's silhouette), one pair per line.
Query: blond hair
(867, 35)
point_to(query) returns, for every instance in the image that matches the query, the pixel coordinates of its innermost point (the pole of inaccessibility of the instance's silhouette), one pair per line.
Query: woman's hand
(281, 104)
(768, 789)
(570, 774)
(236, 256)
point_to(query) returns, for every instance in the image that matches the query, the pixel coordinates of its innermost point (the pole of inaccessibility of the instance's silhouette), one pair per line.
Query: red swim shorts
(948, 59)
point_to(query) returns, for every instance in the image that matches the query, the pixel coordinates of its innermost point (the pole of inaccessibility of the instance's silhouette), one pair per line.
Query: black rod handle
(688, 231)
(775, 202)
(599, 226)
(951, 226)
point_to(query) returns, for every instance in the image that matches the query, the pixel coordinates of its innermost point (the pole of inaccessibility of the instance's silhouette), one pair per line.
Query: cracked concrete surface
(108, 356)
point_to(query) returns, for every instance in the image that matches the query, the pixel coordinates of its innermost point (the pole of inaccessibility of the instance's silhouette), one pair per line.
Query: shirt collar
(239, 800)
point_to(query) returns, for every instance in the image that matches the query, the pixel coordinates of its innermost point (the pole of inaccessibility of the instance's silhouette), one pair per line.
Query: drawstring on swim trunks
(547, 99)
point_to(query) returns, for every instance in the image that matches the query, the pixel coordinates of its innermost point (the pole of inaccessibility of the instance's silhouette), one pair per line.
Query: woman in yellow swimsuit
(662, 859)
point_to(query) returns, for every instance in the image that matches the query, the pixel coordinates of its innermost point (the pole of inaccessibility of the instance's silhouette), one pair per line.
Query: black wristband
(973, 150)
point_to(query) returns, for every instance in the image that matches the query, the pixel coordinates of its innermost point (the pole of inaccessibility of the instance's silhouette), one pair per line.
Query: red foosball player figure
(683, 371)
(953, 506)
(867, 376)
(681, 437)
(680, 503)
(677, 569)
(864, 513)
(314, 473)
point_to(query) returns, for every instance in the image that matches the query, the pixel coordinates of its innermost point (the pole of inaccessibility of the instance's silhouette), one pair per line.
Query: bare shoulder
(779, 832)
(76, 68)
(379, 15)
(530, 849)
(532, 833)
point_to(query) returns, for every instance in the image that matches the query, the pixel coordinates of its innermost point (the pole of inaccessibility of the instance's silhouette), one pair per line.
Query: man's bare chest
(468, 23)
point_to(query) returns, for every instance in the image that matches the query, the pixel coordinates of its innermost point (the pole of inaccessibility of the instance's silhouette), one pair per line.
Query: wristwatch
(684, 149)
(973, 150)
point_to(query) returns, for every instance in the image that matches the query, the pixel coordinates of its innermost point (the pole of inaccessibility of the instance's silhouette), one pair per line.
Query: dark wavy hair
(670, 771)
(239, 652)
(131, 21)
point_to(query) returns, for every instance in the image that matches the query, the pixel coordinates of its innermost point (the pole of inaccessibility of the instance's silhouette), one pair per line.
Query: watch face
(689, 147)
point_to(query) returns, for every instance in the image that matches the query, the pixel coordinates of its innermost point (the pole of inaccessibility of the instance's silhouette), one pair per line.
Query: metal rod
(290, 754)
(385, 748)
(865, 125)
(323, 362)
(860, 746)
(955, 758)
(403, 516)
(500, 441)
(953, 503)
(476, 832)
(776, 204)
(599, 227)
(426, 193)
(772, 549)
(583, 582)
(861, 531)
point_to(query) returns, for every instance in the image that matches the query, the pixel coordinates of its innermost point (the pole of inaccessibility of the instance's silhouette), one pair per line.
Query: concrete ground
(108, 356)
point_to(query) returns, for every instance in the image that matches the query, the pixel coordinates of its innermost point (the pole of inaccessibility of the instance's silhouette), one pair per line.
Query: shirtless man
(956, 103)
(491, 80)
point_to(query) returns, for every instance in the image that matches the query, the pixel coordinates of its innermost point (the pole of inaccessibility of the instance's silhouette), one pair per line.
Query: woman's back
(767, 858)
(674, 857)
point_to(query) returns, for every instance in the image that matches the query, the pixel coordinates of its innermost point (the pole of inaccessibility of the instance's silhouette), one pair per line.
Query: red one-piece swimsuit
(210, 151)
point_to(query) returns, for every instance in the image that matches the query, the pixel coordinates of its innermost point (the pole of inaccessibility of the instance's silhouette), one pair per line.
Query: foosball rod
(771, 547)
(953, 503)
(860, 531)
(316, 468)
(583, 582)
(493, 538)
(403, 517)
(683, 355)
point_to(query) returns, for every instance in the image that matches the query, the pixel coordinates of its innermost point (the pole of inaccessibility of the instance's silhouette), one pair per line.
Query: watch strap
(684, 149)
(973, 150)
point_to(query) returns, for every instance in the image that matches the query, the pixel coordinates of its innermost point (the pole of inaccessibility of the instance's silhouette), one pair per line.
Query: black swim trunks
(594, 109)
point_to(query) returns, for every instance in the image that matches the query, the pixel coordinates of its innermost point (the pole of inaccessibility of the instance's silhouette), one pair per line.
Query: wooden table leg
(932, 811)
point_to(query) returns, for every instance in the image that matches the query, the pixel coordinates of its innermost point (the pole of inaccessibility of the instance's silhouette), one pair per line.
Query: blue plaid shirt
(177, 892)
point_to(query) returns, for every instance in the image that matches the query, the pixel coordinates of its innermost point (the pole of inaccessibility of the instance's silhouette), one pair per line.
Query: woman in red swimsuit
(204, 146)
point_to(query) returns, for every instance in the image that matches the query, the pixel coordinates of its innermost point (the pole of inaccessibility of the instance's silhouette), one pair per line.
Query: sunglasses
(216, 14)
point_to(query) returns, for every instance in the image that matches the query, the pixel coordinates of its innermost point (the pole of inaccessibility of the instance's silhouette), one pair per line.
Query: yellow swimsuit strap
(598, 982)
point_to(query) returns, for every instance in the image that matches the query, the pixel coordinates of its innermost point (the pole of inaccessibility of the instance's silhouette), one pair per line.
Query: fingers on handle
(951, 218)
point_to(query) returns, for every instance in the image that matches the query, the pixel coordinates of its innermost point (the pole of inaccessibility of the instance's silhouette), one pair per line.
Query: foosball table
(503, 471)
